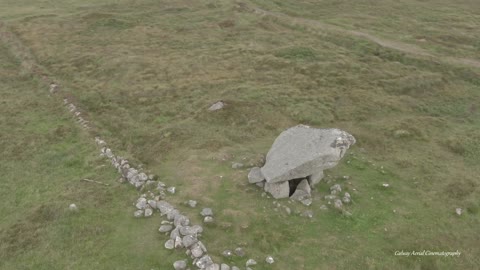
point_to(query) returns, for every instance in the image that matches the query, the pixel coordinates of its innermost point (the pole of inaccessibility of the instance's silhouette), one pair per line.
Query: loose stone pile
(297, 159)
(337, 200)
(181, 233)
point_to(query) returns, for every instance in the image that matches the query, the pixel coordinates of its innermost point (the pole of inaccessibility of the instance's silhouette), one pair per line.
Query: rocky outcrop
(299, 155)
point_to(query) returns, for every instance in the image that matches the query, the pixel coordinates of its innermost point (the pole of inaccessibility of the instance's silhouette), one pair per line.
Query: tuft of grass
(297, 53)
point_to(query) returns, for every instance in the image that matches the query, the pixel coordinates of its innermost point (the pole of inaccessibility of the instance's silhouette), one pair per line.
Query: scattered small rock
(208, 219)
(206, 212)
(330, 197)
(237, 165)
(385, 185)
(338, 204)
(217, 106)
(347, 198)
(171, 190)
(459, 211)
(250, 262)
(323, 207)
(335, 189)
(138, 213)
(180, 265)
(227, 253)
(192, 203)
(269, 260)
(308, 213)
(73, 207)
(239, 252)
(306, 202)
(224, 267)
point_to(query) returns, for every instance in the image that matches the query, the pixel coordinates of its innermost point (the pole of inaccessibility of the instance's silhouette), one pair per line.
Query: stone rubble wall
(184, 235)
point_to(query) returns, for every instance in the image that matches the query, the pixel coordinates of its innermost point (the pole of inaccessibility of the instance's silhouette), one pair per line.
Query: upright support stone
(278, 190)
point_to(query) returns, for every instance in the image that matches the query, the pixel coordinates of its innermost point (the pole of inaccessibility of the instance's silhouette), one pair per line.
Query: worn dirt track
(390, 44)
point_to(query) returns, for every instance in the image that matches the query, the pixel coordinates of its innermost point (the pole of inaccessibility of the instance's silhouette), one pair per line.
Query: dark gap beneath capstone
(293, 185)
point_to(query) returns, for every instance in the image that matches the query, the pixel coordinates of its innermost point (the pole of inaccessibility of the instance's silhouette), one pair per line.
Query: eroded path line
(182, 234)
(386, 43)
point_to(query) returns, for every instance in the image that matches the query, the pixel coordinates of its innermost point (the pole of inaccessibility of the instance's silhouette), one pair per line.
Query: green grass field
(402, 77)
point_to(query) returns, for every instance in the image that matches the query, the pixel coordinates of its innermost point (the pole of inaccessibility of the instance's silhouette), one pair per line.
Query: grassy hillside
(44, 155)
(147, 70)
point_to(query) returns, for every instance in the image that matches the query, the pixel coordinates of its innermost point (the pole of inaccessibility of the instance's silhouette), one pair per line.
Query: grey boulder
(197, 251)
(302, 151)
(315, 178)
(255, 175)
(170, 244)
(180, 265)
(141, 203)
(165, 228)
(278, 190)
(302, 192)
(148, 212)
(204, 261)
(189, 240)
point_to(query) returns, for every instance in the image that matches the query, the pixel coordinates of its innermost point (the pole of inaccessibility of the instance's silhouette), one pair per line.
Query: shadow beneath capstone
(293, 185)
